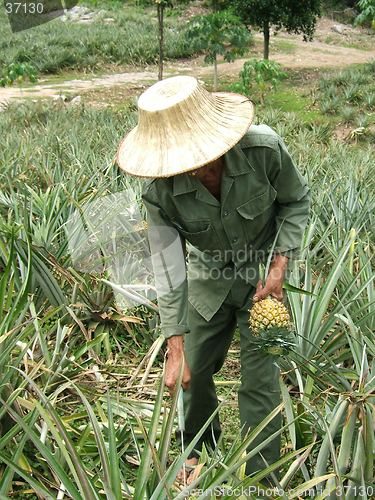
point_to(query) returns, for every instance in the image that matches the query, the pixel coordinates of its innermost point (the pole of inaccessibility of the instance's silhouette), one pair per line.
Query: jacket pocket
(258, 213)
(199, 232)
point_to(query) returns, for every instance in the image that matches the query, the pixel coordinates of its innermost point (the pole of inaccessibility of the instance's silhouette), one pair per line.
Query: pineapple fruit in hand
(271, 325)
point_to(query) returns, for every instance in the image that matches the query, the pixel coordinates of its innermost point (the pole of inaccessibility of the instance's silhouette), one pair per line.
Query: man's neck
(212, 179)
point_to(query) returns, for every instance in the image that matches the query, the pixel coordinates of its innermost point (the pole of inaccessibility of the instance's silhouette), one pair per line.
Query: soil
(335, 46)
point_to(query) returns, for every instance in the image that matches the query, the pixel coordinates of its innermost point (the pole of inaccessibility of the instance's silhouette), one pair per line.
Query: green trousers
(206, 347)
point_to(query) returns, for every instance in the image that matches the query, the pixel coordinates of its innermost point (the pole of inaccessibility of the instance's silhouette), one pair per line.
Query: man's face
(201, 172)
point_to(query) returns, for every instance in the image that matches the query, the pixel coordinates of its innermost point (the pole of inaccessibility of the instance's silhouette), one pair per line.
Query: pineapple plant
(271, 325)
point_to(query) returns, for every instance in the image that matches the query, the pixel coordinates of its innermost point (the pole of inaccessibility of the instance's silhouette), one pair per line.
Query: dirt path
(329, 49)
(54, 89)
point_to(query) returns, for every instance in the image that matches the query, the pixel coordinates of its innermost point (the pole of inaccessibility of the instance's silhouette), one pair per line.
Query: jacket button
(225, 214)
(234, 240)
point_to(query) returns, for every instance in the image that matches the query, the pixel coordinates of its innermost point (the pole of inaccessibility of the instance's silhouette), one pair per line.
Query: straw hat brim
(191, 135)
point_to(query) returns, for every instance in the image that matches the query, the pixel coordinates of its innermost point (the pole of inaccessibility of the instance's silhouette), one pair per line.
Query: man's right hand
(176, 355)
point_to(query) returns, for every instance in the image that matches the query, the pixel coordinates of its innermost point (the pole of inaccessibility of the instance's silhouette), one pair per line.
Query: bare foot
(189, 469)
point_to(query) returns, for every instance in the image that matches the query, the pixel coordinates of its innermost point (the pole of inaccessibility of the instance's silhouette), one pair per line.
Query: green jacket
(262, 195)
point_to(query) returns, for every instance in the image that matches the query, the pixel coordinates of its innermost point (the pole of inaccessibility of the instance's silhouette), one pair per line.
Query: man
(228, 189)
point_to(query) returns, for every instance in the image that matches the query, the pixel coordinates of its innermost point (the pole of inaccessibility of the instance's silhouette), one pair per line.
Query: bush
(263, 75)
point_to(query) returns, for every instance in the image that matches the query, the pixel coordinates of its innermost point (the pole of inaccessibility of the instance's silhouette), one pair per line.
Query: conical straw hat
(182, 127)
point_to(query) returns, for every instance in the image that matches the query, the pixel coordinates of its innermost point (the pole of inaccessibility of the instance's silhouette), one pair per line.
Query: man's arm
(176, 356)
(168, 259)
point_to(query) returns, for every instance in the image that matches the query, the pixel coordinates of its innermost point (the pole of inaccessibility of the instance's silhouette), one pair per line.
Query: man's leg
(258, 395)
(206, 347)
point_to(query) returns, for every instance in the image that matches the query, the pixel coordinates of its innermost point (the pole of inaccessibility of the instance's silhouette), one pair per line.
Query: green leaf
(45, 452)
(150, 439)
(115, 479)
(36, 485)
(44, 276)
(325, 449)
(88, 345)
(291, 288)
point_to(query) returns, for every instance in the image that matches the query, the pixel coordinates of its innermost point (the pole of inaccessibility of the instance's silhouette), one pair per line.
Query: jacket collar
(235, 163)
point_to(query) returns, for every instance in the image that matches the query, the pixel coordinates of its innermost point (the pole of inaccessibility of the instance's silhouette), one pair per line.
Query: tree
(295, 16)
(266, 75)
(160, 6)
(16, 71)
(219, 33)
(367, 12)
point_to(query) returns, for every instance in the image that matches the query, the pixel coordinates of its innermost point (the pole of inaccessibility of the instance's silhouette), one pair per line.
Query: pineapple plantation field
(84, 413)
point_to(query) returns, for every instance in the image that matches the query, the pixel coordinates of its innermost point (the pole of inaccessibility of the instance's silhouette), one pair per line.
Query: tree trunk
(160, 10)
(266, 46)
(215, 74)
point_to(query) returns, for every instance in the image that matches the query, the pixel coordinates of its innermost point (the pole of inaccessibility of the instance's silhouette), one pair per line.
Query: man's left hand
(274, 281)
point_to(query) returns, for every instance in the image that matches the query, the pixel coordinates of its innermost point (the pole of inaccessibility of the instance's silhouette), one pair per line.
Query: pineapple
(271, 325)
(266, 313)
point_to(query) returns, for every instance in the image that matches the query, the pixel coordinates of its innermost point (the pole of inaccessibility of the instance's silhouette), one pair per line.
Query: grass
(338, 91)
(294, 101)
(226, 387)
(39, 121)
(337, 40)
(323, 99)
(54, 146)
(132, 39)
(354, 46)
(282, 46)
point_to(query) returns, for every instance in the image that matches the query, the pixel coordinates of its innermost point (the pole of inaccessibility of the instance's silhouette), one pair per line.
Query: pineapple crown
(276, 341)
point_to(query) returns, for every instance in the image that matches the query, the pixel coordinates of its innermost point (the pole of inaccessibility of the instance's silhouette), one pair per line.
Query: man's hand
(176, 355)
(274, 281)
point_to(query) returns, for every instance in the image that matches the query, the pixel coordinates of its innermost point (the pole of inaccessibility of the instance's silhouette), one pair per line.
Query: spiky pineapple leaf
(275, 341)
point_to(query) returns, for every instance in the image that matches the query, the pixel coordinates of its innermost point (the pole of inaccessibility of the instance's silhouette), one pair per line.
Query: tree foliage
(367, 12)
(219, 33)
(16, 71)
(295, 16)
(265, 75)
